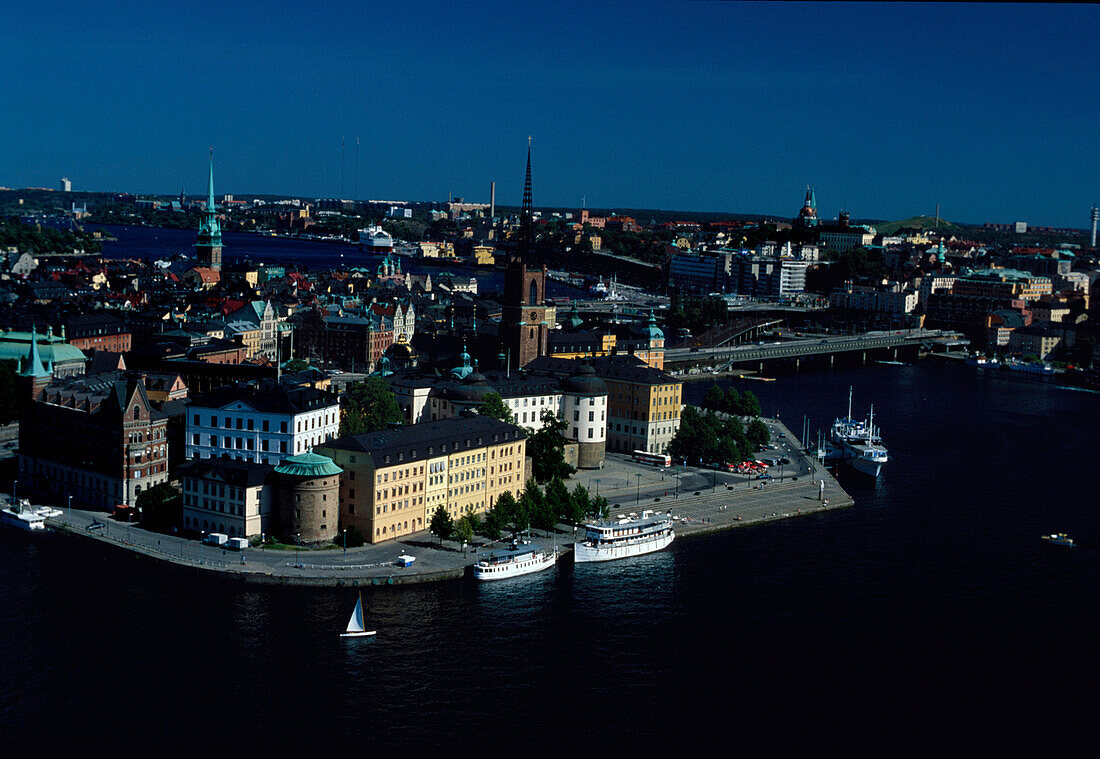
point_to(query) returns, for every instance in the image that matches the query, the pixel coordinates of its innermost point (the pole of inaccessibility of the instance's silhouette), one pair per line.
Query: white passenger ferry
(519, 561)
(627, 536)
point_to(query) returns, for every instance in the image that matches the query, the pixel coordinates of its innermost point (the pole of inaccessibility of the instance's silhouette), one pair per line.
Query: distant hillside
(918, 222)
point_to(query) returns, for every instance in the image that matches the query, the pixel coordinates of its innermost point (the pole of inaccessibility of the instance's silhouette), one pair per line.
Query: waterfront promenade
(703, 500)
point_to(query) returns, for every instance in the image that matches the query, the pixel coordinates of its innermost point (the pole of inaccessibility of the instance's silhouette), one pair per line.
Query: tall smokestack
(1095, 218)
(493, 205)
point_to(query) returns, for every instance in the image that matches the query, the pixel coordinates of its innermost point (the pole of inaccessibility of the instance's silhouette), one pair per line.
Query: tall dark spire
(526, 231)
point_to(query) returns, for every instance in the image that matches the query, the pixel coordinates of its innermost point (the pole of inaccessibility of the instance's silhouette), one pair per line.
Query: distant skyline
(886, 109)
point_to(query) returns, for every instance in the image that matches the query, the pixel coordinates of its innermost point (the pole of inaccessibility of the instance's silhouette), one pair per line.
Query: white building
(260, 424)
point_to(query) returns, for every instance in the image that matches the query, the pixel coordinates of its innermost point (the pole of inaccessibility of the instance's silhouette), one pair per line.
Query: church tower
(526, 332)
(33, 376)
(209, 245)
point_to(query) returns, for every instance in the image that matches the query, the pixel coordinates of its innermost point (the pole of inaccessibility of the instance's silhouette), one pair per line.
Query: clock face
(534, 316)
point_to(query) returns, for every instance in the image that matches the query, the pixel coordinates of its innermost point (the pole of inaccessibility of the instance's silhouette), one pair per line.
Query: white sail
(355, 624)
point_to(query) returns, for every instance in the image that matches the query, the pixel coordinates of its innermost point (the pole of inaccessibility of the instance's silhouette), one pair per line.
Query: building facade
(264, 423)
(394, 480)
(229, 496)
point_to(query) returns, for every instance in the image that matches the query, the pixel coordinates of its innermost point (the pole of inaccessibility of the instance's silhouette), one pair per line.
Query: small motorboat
(1060, 538)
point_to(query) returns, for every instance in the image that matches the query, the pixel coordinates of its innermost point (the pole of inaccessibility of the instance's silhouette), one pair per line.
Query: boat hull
(364, 634)
(583, 553)
(33, 523)
(869, 468)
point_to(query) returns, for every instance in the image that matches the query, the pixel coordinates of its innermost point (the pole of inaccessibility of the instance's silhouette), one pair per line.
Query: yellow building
(483, 255)
(643, 405)
(394, 480)
(643, 342)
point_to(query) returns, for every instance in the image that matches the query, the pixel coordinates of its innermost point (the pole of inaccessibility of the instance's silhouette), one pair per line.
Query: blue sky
(887, 109)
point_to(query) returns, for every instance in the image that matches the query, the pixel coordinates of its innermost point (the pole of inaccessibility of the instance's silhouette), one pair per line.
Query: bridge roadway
(803, 348)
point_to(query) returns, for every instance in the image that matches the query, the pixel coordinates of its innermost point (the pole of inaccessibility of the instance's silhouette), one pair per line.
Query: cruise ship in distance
(858, 444)
(628, 536)
(375, 240)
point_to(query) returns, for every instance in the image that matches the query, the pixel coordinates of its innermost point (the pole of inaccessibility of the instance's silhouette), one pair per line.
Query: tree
(733, 400)
(442, 524)
(538, 509)
(547, 449)
(750, 406)
(495, 407)
(557, 499)
(465, 529)
(715, 399)
(161, 507)
(296, 365)
(368, 406)
(353, 537)
(500, 515)
(757, 434)
(600, 508)
(580, 505)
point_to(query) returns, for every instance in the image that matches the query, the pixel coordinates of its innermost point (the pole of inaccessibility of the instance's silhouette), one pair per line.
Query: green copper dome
(308, 464)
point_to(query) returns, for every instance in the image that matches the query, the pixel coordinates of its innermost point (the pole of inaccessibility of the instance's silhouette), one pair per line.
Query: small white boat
(519, 561)
(355, 624)
(21, 516)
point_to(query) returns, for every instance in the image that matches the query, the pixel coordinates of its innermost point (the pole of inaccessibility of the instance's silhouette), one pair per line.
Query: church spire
(209, 242)
(210, 191)
(33, 366)
(526, 233)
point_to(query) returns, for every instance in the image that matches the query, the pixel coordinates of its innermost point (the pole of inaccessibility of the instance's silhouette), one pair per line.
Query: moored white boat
(622, 538)
(524, 561)
(858, 443)
(22, 517)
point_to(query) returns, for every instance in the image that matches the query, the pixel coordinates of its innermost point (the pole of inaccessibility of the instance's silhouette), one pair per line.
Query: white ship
(519, 561)
(858, 444)
(375, 240)
(624, 537)
(20, 515)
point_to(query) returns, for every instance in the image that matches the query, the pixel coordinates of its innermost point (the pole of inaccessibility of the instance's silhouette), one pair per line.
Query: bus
(657, 459)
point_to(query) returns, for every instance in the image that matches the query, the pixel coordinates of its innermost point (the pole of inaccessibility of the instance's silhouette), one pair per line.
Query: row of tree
(729, 401)
(536, 507)
(709, 438)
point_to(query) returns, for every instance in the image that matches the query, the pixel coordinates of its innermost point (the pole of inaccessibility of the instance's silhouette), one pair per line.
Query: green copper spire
(34, 367)
(210, 233)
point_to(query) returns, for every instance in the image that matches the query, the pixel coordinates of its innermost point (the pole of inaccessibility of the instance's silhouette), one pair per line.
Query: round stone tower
(308, 492)
(584, 408)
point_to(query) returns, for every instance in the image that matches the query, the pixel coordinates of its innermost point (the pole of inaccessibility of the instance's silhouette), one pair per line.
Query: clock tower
(524, 317)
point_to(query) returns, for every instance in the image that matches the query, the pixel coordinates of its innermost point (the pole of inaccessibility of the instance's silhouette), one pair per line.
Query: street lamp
(638, 495)
(202, 539)
(70, 508)
(297, 550)
(345, 541)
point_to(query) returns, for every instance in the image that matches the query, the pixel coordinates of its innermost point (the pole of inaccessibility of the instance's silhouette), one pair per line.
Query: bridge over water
(725, 357)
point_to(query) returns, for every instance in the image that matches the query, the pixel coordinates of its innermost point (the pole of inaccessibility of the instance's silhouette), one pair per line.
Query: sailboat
(355, 624)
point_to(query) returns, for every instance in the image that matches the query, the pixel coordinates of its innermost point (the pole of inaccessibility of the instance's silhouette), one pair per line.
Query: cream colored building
(394, 480)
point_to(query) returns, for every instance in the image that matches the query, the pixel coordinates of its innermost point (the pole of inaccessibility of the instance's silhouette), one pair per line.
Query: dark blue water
(930, 604)
(149, 243)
